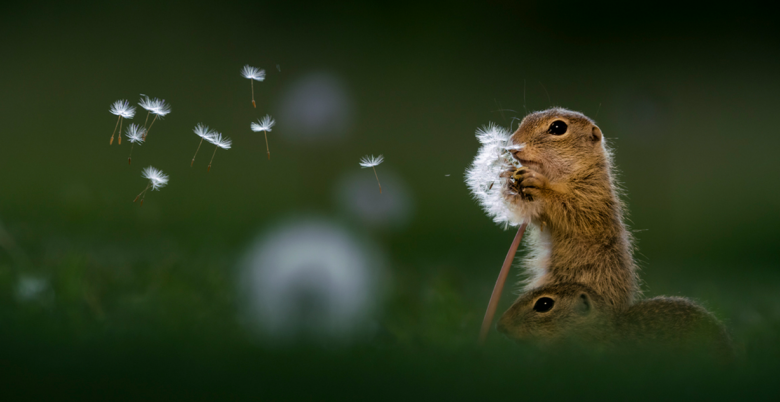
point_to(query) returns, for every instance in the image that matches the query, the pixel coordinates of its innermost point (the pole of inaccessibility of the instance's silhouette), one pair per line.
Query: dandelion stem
(196, 151)
(132, 144)
(120, 131)
(150, 127)
(142, 193)
(252, 85)
(147, 118)
(121, 120)
(377, 179)
(268, 150)
(494, 298)
(212, 158)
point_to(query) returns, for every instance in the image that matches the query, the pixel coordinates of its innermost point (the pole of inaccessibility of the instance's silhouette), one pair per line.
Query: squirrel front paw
(528, 183)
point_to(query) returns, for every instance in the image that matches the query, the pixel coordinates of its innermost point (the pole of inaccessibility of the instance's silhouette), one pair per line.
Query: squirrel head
(558, 142)
(551, 313)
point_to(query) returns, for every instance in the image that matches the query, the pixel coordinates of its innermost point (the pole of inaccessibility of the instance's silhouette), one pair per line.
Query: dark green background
(143, 302)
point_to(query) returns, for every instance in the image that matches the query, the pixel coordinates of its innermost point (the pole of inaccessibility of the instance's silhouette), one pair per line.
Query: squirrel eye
(544, 304)
(557, 128)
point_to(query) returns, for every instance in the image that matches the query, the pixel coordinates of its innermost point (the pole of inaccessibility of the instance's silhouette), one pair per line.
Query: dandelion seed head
(135, 133)
(263, 124)
(371, 161)
(122, 108)
(253, 73)
(483, 176)
(220, 141)
(202, 131)
(156, 177)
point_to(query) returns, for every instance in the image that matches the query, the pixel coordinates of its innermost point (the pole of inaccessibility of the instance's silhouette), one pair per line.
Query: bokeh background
(294, 277)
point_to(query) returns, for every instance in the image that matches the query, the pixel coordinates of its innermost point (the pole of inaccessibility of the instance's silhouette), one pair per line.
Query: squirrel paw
(529, 183)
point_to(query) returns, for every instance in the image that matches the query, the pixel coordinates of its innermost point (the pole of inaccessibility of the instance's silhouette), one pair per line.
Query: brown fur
(567, 191)
(580, 313)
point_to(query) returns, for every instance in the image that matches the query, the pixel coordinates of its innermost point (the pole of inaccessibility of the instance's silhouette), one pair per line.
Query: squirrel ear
(595, 134)
(584, 305)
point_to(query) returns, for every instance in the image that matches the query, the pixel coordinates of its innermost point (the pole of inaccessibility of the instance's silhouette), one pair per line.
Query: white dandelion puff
(372, 162)
(204, 133)
(158, 108)
(135, 134)
(220, 142)
(264, 125)
(122, 110)
(157, 180)
(483, 177)
(253, 74)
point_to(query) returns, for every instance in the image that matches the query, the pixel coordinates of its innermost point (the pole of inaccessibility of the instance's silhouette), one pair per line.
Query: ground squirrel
(567, 191)
(574, 311)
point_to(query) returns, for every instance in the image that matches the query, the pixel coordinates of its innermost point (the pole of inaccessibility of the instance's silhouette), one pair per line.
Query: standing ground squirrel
(571, 310)
(566, 190)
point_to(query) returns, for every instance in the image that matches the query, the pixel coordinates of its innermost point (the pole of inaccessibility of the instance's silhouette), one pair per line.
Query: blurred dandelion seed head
(317, 108)
(30, 288)
(355, 194)
(310, 278)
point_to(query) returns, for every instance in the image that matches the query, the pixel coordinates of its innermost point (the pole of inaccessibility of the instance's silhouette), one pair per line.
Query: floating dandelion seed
(122, 110)
(159, 109)
(157, 180)
(220, 142)
(135, 134)
(493, 158)
(264, 125)
(253, 74)
(147, 104)
(372, 162)
(204, 133)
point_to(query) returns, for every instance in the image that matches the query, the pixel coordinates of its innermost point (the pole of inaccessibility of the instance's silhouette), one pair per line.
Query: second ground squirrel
(567, 192)
(574, 311)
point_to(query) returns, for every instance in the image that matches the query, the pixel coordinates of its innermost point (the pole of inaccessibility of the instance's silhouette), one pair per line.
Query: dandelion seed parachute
(135, 134)
(123, 110)
(264, 125)
(220, 142)
(159, 109)
(253, 74)
(372, 162)
(204, 133)
(157, 180)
